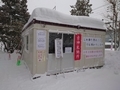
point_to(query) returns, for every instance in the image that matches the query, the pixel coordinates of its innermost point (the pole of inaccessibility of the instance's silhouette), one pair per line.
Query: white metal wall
(64, 64)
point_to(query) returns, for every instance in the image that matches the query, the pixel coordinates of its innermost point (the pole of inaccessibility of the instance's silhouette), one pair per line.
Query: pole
(9, 56)
(115, 31)
(115, 25)
(119, 36)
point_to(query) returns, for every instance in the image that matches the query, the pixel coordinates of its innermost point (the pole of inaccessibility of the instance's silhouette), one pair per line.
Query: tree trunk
(119, 36)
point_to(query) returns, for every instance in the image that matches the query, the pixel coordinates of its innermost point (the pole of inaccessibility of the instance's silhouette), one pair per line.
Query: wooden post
(9, 56)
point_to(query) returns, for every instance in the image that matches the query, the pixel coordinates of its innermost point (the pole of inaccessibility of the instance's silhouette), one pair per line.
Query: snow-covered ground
(13, 77)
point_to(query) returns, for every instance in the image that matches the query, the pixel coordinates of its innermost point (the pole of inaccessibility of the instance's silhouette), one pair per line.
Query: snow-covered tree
(81, 8)
(113, 17)
(13, 16)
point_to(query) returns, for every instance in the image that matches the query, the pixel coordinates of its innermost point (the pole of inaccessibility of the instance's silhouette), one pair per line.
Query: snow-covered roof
(53, 16)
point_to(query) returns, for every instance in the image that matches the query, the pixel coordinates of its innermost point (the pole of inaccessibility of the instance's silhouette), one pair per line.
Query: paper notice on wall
(41, 39)
(68, 50)
(93, 42)
(39, 55)
(58, 48)
(93, 53)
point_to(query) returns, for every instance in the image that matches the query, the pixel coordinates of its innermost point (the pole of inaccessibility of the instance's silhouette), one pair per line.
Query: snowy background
(13, 77)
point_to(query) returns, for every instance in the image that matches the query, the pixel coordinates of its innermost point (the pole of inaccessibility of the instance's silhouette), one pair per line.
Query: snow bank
(112, 61)
(13, 77)
(50, 15)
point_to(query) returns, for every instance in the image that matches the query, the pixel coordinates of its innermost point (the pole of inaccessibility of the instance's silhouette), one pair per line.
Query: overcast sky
(64, 6)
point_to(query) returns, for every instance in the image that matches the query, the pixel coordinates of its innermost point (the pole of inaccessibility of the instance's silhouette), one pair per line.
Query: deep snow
(13, 77)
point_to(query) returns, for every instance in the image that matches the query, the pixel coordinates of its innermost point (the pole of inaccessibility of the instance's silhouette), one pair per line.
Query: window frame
(62, 37)
(68, 44)
(53, 43)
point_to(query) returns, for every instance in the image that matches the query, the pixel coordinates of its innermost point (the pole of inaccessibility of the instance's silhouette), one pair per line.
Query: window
(67, 41)
(27, 42)
(52, 37)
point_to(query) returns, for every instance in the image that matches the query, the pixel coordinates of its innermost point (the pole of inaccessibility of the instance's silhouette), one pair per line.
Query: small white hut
(80, 42)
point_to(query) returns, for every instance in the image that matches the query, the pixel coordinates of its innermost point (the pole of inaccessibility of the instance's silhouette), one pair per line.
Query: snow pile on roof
(50, 15)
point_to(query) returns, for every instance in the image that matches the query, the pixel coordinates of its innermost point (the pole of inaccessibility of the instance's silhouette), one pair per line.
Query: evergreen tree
(81, 8)
(13, 16)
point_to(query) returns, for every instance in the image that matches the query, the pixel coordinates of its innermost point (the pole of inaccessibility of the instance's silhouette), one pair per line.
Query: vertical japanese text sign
(77, 47)
(41, 44)
(58, 48)
(41, 40)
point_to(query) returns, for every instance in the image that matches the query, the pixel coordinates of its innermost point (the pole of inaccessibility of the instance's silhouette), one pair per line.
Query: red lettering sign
(77, 47)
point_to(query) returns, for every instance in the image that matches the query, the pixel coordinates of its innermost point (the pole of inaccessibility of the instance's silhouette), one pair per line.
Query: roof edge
(34, 21)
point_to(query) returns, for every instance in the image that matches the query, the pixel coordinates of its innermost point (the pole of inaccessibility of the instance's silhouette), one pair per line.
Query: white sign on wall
(58, 48)
(93, 42)
(68, 50)
(93, 53)
(40, 55)
(41, 39)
